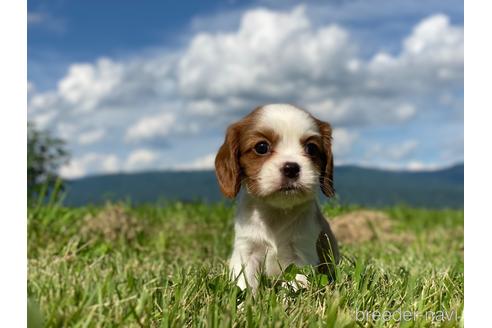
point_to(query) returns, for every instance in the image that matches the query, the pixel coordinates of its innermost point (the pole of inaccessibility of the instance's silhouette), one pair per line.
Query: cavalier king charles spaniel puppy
(278, 155)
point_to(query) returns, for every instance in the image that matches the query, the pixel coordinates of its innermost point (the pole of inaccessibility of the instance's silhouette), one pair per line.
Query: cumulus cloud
(432, 58)
(140, 159)
(263, 56)
(260, 62)
(86, 85)
(90, 137)
(206, 162)
(150, 127)
(280, 55)
(402, 150)
(343, 140)
(390, 154)
(90, 162)
(272, 56)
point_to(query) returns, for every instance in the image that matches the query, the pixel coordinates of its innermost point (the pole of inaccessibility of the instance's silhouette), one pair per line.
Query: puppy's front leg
(245, 265)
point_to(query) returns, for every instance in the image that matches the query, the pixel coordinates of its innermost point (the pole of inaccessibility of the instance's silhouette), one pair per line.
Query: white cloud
(413, 165)
(433, 34)
(110, 164)
(405, 112)
(391, 152)
(343, 140)
(432, 58)
(75, 169)
(80, 166)
(272, 56)
(206, 162)
(421, 166)
(43, 119)
(86, 85)
(90, 137)
(261, 60)
(46, 21)
(151, 127)
(402, 150)
(140, 159)
(30, 87)
(41, 108)
(66, 130)
(281, 56)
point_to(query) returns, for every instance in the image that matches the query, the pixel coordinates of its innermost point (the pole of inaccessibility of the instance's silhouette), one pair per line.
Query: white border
(478, 137)
(13, 217)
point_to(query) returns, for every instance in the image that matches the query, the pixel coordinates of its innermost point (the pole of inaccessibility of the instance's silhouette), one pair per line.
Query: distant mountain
(353, 184)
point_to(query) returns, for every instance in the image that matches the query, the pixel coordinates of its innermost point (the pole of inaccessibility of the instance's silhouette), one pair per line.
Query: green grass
(168, 267)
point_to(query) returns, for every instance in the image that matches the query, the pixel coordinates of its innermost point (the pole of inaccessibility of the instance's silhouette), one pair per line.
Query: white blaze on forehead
(287, 120)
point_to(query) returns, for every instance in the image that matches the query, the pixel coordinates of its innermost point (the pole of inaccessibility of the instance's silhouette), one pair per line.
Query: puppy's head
(278, 153)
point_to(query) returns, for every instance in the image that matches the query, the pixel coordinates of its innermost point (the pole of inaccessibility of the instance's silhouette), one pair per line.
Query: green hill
(354, 185)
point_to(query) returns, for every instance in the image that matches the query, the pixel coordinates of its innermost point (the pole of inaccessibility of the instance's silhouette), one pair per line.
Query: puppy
(278, 155)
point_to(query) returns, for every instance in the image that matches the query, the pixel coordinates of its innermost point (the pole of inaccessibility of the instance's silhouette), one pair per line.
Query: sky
(152, 85)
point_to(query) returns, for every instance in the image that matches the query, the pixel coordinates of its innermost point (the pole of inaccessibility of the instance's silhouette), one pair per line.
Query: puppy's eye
(311, 149)
(262, 147)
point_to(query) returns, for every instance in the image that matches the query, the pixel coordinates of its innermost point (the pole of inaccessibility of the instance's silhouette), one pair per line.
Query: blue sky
(153, 85)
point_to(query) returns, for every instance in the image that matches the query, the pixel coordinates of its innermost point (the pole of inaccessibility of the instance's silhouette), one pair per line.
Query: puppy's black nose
(291, 170)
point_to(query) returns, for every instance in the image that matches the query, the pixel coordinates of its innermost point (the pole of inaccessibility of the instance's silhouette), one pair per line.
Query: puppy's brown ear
(227, 167)
(326, 176)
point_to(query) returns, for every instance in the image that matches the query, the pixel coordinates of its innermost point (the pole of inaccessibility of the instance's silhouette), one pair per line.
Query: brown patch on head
(326, 173)
(317, 158)
(236, 159)
(251, 162)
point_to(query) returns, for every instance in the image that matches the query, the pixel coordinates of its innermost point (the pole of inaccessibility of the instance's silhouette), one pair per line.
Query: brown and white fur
(278, 221)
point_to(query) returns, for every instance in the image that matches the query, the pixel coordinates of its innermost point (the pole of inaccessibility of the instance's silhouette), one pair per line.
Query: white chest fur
(268, 239)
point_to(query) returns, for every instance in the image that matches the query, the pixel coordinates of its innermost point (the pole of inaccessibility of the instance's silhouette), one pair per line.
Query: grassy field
(166, 266)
